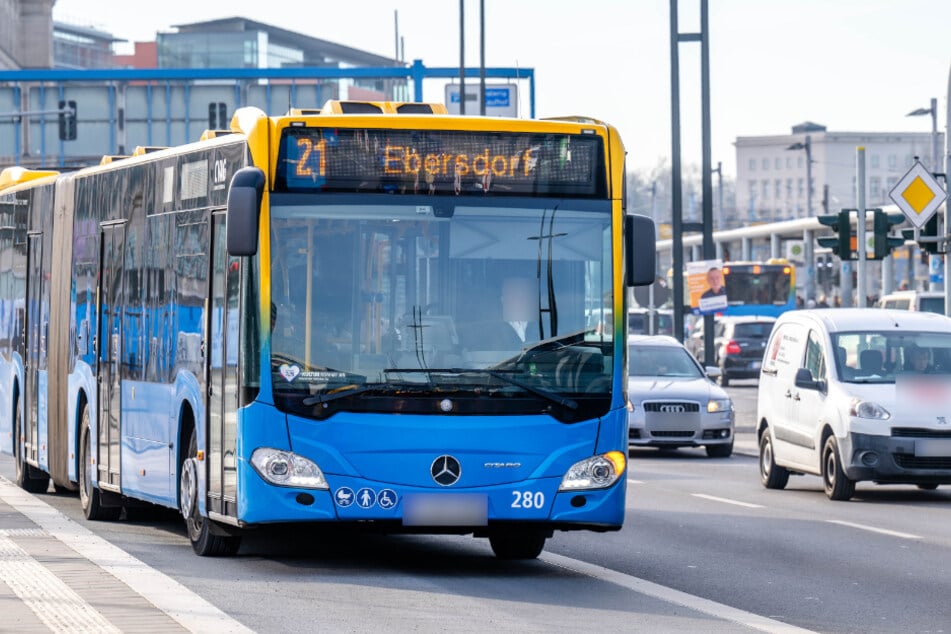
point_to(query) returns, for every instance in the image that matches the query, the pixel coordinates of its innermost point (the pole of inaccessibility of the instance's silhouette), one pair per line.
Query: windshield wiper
(501, 376)
(341, 393)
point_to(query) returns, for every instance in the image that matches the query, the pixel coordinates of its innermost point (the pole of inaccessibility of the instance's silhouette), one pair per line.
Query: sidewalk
(57, 576)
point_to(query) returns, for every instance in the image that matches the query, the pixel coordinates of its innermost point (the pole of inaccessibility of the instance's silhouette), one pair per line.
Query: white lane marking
(692, 602)
(882, 531)
(632, 481)
(178, 602)
(728, 501)
(53, 602)
(22, 532)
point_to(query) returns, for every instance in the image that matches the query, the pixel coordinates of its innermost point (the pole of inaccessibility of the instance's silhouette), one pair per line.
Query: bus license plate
(445, 509)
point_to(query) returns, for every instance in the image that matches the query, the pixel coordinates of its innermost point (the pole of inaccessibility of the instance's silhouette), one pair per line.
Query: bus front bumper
(413, 509)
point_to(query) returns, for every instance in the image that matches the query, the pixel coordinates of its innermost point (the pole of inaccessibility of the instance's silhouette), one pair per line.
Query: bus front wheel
(205, 542)
(517, 544)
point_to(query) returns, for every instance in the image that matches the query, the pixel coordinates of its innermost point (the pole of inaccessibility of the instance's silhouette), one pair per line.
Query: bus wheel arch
(206, 538)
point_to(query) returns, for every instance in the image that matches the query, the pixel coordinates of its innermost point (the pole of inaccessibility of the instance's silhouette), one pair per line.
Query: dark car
(738, 344)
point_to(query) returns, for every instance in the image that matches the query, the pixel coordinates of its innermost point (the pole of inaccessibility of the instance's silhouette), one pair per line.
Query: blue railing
(61, 80)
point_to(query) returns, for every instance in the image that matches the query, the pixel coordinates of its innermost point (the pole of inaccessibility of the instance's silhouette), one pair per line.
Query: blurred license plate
(933, 448)
(445, 509)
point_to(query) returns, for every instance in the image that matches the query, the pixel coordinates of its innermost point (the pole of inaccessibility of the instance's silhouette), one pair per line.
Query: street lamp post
(809, 282)
(807, 146)
(933, 111)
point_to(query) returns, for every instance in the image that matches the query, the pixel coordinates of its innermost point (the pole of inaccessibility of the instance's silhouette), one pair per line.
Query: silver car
(673, 401)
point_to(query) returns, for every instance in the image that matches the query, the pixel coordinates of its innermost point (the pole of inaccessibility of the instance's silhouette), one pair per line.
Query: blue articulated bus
(373, 314)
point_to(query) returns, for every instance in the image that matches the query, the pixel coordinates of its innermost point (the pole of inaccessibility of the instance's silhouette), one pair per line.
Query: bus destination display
(440, 162)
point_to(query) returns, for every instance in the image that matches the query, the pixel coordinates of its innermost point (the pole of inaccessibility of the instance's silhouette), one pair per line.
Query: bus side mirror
(640, 250)
(244, 210)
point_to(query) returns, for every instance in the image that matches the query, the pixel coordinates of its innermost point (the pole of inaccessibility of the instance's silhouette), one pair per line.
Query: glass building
(241, 43)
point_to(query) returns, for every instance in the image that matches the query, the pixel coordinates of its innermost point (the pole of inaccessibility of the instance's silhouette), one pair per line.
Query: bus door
(35, 346)
(222, 373)
(110, 347)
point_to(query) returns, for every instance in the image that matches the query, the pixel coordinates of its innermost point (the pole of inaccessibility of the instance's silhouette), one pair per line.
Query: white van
(921, 301)
(854, 394)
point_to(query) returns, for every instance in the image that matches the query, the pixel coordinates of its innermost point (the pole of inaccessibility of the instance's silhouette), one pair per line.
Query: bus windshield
(770, 286)
(390, 306)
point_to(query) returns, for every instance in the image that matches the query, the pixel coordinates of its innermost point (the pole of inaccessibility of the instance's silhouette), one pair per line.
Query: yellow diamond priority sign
(918, 194)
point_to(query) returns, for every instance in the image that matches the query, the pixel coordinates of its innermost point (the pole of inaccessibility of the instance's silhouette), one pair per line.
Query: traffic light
(841, 243)
(883, 224)
(930, 230)
(67, 120)
(218, 116)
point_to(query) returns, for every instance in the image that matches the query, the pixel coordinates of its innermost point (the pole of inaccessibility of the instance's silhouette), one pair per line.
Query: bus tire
(28, 477)
(525, 544)
(204, 541)
(90, 498)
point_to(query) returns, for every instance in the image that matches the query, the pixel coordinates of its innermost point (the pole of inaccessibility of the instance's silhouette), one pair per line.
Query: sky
(851, 65)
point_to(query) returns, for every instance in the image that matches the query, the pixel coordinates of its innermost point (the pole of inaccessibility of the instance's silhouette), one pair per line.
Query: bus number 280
(528, 500)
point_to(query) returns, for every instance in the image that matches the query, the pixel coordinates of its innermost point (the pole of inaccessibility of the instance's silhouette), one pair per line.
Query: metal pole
(947, 206)
(845, 283)
(719, 194)
(482, 57)
(910, 269)
(396, 29)
(651, 308)
(775, 248)
(808, 145)
(709, 250)
(888, 275)
(860, 228)
(462, 56)
(935, 152)
(809, 264)
(675, 177)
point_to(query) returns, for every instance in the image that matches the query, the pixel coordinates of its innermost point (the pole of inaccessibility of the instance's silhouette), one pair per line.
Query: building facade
(78, 47)
(240, 43)
(771, 171)
(26, 28)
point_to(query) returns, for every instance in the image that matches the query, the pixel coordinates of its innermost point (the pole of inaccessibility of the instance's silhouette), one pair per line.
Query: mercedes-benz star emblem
(446, 470)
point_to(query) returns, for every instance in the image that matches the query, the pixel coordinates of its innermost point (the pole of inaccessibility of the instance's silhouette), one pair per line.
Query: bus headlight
(287, 469)
(596, 472)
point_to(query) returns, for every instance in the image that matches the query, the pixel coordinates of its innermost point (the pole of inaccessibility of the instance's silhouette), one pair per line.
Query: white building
(771, 170)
